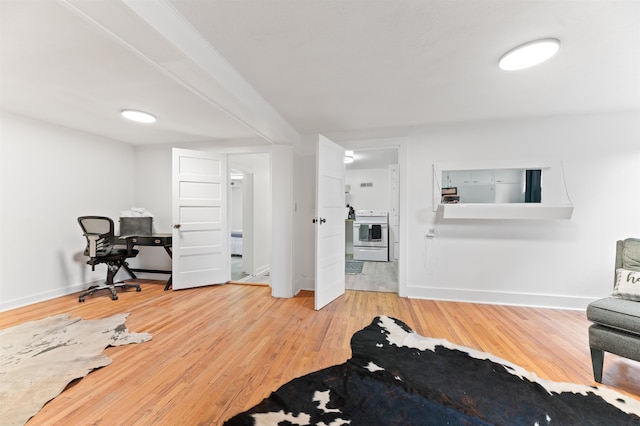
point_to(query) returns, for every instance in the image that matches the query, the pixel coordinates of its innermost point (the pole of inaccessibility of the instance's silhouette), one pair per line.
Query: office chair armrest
(93, 243)
(96, 242)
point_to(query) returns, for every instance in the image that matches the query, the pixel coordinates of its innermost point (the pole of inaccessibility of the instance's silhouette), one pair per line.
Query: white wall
(565, 263)
(374, 197)
(304, 190)
(236, 204)
(548, 263)
(50, 175)
(282, 253)
(153, 192)
(262, 219)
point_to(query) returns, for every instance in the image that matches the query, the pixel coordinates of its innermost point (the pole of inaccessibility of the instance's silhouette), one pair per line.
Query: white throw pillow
(627, 285)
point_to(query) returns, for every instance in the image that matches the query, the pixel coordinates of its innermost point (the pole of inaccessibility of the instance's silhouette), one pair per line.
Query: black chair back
(100, 234)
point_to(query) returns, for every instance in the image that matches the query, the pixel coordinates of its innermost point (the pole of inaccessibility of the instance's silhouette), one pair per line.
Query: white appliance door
(200, 230)
(329, 222)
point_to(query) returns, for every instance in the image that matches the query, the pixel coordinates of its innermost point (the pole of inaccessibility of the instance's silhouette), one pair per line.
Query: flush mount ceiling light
(139, 116)
(529, 54)
(348, 157)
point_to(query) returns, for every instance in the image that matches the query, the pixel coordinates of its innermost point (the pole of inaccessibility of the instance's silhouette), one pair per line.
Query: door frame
(399, 143)
(248, 210)
(281, 179)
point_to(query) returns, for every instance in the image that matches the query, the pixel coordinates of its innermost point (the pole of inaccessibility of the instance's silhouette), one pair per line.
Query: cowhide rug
(397, 377)
(39, 358)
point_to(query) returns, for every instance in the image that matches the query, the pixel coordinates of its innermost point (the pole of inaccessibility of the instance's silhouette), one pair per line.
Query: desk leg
(166, 287)
(129, 271)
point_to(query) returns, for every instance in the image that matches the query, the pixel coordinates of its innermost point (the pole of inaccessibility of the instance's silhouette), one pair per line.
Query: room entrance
(250, 217)
(372, 187)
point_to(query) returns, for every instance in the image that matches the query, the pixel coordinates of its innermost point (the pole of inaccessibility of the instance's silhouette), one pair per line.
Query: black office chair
(103, 247)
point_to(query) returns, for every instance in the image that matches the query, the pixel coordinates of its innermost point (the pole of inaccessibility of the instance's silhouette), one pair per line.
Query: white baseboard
(263, 269)
(304, 284)
(500, 298)
(6, 305)
(413, 292)
(485, 297)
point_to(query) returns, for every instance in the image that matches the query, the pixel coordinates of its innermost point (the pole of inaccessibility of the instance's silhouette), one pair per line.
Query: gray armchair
(616, 321)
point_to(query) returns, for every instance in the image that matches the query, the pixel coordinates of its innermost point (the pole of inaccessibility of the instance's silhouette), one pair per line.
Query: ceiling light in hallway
(348, 157)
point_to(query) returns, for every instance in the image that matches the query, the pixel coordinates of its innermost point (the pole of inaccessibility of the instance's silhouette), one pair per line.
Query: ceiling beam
(159, 34)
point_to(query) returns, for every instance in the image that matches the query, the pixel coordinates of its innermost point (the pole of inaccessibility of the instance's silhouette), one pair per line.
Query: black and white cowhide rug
(39, 358)
(397, 377)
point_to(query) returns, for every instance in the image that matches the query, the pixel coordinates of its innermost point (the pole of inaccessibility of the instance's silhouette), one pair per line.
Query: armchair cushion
(616, 313)
(631, 254)
(627, 285)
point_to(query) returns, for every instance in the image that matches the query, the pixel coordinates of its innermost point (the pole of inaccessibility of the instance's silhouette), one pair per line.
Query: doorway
(239, 263)
(250, 217)
(372, 184)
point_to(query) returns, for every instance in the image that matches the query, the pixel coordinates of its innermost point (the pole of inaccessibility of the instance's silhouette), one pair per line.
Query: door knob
(321, 220)
(177, 226)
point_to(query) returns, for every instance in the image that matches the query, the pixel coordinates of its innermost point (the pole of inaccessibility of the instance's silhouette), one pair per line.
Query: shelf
(506, 211)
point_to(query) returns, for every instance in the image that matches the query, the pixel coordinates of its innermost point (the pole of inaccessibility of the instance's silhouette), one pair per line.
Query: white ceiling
(273, 70)
(376, 158)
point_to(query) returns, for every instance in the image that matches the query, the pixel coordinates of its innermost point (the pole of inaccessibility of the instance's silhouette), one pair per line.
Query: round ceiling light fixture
(348, 157)
(138, 116)
(529, 54)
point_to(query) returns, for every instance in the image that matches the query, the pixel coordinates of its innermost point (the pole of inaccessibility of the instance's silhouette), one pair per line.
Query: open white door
(329, 222)
(200, 230)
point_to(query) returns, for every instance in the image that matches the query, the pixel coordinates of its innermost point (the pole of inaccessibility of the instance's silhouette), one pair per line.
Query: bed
(236, 242)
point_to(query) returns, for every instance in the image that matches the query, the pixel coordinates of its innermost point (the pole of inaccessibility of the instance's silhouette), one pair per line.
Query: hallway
(375, 276)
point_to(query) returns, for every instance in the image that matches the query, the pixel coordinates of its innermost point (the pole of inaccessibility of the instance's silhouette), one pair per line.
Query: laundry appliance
(371, 235)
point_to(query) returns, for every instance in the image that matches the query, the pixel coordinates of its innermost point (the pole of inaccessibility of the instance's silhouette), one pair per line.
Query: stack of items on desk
(137, 221)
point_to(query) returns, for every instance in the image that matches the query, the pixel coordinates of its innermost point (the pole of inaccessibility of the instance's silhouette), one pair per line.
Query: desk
(154, 240)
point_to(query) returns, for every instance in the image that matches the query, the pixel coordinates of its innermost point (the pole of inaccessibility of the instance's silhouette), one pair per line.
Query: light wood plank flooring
(219, 350)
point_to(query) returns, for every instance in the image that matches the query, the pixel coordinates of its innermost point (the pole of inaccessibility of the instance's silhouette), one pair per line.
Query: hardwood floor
(219, 350)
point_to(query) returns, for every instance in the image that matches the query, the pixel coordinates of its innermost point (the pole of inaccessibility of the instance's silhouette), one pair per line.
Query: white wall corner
(282, 253)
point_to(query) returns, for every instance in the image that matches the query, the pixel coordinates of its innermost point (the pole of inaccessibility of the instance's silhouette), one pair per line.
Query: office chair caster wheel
(138, 289)
(114, 297)
(81, 299)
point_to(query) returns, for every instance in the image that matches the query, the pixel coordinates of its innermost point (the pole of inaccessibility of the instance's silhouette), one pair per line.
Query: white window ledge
(506, 211)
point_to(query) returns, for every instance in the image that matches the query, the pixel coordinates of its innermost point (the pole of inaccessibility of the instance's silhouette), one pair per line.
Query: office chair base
(110, 287)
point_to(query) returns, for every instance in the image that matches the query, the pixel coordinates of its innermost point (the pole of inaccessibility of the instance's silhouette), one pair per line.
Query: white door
(329, 222)
(200, 226)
